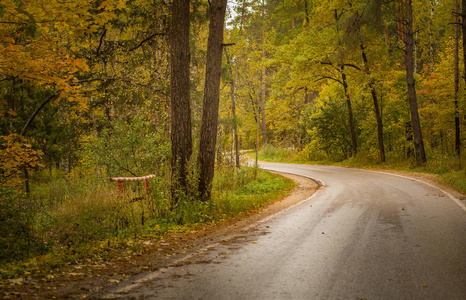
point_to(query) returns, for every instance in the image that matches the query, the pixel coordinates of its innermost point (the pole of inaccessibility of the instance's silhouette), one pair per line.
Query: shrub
(17, 238)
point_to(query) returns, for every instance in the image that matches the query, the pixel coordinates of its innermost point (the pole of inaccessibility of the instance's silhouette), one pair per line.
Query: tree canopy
(327, 78)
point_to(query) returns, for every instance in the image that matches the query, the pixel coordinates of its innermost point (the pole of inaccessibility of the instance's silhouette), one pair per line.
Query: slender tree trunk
(257, 139)
(23, 131)
(457, 83)
(415, 121)
(263, 100)
(354, 144)
(306, 11)
(181, 137)
(431, 39)
(376, 107)
(233, 110)
(208, 139)
(263, 77)
(463, 27)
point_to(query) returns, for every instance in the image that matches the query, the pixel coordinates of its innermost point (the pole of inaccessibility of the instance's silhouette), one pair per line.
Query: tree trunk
(257, 140)
(233, 110)
(181, 137)
(208, 139)
(463, 27)
(263, 100)
(415, 122)
(263, 87)
(354, 144)
(457, 83)
(376, 107)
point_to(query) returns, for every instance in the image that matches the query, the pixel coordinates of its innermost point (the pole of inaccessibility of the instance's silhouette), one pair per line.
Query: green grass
(457, 180)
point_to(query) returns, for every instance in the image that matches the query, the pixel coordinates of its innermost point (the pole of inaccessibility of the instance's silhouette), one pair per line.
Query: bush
(270, 152)
(18, 240)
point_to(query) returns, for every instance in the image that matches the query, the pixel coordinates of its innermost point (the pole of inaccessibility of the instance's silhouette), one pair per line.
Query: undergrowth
(67, 221)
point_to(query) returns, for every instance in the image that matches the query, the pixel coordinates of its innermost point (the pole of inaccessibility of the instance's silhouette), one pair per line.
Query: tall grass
(271, 153)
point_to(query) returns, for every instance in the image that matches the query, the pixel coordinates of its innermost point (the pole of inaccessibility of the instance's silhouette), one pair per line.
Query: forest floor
(82, 280)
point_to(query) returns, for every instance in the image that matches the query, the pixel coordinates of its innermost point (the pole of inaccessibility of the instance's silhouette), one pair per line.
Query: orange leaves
(15, 154)
(37, 37)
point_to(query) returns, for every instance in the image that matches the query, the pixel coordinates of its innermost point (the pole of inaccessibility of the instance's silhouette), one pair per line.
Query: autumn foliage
(15, 155)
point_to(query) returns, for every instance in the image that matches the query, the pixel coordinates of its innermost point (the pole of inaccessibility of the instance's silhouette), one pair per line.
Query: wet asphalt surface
(362, 235)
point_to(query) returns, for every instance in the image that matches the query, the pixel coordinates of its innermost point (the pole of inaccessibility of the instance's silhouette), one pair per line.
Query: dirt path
(80, 281)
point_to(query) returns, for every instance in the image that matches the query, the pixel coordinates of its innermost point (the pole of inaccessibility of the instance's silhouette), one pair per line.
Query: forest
(93, 89)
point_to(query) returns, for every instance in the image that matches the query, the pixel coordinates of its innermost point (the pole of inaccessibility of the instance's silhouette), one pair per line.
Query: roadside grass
(450, 170)
(88, 220)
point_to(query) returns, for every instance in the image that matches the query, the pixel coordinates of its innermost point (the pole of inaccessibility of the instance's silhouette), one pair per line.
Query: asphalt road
(363, 235)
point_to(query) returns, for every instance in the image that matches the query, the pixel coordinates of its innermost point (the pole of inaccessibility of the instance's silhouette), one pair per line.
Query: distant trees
(398, 62)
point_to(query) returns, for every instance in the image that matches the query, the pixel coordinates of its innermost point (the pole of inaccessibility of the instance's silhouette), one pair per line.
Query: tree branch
(147, 39)
(31, 118)
(331, 78)
(101, 42)
(122, 167)
(353, 66)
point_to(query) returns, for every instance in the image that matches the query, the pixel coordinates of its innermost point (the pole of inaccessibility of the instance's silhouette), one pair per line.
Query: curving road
(363, 235)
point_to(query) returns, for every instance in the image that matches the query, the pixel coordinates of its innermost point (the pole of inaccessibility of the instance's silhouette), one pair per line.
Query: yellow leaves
(121, 4)
(14, 155)
(103, 5)
(111, 5)
(81, 64)
(45, 59)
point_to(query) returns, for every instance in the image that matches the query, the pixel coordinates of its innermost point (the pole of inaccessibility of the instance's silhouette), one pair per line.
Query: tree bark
(354, 144)
(208, 139)
(181, 137)
(415, 121)
(457, 83)
(263, 100)
(376, 107)
(263, 77)
(233, 111)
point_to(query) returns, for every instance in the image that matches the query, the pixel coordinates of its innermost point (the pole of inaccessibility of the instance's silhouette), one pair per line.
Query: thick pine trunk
(208, 139)
(376, 107)
(181, 138)
(415, 122)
